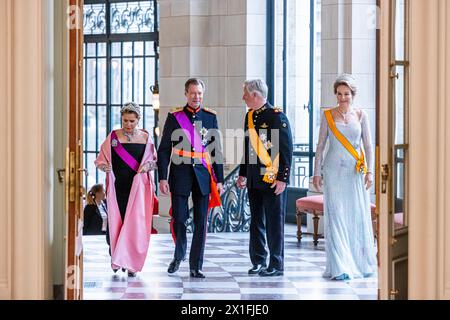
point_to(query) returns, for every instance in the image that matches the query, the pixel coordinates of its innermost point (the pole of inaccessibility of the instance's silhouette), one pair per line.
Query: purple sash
(191, 133)
(122, 153)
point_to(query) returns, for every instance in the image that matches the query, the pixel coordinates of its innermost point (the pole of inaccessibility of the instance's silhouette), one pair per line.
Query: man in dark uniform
(189, 131)
(265, 172)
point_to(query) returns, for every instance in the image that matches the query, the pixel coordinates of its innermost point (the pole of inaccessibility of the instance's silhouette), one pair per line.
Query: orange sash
(360, 162)
(271, 168)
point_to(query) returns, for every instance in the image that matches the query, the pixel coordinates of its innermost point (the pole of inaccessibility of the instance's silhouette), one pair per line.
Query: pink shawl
(129, 241)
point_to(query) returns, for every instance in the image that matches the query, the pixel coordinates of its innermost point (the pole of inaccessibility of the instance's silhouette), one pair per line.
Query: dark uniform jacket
(181, 175)
(265, 120)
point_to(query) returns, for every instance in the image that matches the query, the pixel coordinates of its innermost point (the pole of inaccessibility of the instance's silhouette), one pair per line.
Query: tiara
(131, 106)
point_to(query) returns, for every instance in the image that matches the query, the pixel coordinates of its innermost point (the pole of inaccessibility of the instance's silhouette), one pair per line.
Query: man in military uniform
(191, 145)
(265, 172)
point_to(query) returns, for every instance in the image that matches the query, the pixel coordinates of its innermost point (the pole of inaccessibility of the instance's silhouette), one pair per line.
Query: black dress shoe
(123, 269)
(196, 274)
(271, 273)
(257, 268)
(174, 266)
(132, 274)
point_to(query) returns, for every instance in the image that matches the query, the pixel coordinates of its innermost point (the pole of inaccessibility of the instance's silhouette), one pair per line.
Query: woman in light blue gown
(349, 240)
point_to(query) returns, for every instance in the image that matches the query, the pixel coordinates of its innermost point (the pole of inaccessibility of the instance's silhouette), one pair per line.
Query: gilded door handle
(384, 177)
(393, 294)
(71, 180)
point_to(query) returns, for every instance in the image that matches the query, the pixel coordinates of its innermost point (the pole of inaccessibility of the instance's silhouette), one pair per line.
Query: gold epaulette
(276, 109)
(210, 110)
(176, 109)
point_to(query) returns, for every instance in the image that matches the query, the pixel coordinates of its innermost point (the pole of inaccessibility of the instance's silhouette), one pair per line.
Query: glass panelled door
(398, 147)
(120, 65)
(74, 171)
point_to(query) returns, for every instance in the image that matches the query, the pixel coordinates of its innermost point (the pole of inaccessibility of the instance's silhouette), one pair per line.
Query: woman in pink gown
(128, 157)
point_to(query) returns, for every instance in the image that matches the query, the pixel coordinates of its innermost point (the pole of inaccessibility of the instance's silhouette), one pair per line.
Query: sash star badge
(204, 133)
(263, 137)
(114, 143)
(268, 144)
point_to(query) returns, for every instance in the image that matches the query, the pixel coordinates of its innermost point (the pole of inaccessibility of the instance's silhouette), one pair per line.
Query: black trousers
(268, 213)
(180, 214)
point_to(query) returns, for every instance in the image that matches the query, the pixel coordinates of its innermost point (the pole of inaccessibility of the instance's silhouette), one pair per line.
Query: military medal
(204, 133)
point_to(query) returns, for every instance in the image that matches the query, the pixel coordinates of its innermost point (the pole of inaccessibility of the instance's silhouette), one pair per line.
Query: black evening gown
(124, 174)
(124, 178)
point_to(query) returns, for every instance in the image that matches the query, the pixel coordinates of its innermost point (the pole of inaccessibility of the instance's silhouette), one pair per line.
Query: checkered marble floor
(225, 265)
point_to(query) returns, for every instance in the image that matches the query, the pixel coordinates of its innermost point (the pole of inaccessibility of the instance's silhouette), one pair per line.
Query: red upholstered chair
(398, 220)
(314, 205)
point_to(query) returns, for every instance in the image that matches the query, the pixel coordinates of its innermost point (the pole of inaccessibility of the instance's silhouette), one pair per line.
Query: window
(120, 65)
(296, 82)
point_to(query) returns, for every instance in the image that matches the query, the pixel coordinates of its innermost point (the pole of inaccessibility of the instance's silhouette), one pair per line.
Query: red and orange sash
(195, 141)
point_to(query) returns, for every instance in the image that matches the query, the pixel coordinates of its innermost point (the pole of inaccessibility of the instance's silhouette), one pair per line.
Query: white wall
(429, 205)
(26, 185)
(5, 157)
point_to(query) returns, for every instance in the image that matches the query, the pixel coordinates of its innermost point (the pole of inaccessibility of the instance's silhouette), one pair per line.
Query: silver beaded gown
(349, 239)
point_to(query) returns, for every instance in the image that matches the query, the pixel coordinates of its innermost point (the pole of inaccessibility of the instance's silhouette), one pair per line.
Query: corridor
(225, 266)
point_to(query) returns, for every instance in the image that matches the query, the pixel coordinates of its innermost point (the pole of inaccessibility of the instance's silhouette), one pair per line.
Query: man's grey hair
(258, 86)
(195, 82)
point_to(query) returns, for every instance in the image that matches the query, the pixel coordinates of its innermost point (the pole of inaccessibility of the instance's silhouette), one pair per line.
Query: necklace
(344, 115)
(129, 135)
